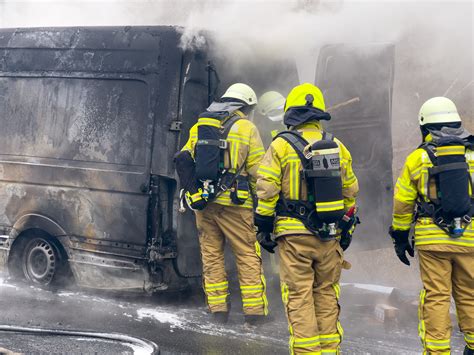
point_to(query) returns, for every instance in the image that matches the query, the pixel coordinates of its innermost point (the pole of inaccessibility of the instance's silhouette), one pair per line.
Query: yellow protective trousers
(445, 273)
(216, 225)
(309, 273)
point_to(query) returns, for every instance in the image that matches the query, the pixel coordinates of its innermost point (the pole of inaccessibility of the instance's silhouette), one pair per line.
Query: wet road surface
(181, 325)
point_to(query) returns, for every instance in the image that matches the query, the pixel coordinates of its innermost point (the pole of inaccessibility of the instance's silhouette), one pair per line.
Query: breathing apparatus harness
(452, 208)
(211, 177)
(323, 211)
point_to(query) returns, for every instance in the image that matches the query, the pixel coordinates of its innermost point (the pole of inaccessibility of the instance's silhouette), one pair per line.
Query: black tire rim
(40, 261)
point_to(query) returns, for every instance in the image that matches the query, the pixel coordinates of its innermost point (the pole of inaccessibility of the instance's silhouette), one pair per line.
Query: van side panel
(78, 107)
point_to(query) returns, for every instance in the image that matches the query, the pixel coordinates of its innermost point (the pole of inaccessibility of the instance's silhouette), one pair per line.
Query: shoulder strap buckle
(223, 144)
(302, 210)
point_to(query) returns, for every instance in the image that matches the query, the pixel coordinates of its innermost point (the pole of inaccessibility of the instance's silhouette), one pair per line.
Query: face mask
(277, 118)
(276, 115)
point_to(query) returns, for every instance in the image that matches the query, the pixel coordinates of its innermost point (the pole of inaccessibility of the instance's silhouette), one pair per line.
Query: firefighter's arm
(269, 181)
(350, 184)
(191, 143)
(404, 201)
(268, 190)
(255, 155)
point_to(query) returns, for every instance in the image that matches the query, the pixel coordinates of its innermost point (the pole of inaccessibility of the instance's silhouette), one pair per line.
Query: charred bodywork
(90, 122)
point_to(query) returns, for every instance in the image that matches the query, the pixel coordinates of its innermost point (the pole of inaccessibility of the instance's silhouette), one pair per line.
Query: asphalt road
(180, 325)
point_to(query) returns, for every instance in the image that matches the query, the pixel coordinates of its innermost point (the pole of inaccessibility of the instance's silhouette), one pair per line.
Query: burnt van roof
(87, 49)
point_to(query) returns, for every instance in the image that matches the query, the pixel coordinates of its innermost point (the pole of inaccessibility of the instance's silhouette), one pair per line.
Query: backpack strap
(328, 136)
(297, 142)
(429, 148)
(224, 184)
(227, 125)
(448, 167)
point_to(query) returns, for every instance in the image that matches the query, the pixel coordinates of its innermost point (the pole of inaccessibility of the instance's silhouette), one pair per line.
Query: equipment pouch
(240, 191)
(186, 170)
(195, 201)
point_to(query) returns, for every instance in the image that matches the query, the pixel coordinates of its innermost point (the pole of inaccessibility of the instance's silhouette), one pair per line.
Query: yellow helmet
(438, 110)
(303, 104)
(305, 95)
(270, 105)
(241, 92)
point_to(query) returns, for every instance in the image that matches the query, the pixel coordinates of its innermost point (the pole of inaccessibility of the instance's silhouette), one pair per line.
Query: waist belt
(434, 211)
(304, 211)
(294, 208)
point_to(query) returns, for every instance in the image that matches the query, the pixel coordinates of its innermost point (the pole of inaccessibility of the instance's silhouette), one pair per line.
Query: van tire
(41, 260)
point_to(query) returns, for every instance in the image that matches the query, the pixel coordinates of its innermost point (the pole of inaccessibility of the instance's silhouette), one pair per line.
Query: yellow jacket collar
(428, 138)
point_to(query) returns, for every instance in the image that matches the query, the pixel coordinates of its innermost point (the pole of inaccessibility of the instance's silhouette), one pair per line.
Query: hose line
(146, 346)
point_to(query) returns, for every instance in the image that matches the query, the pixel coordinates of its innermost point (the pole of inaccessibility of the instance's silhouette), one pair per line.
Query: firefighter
(270, 106)
(226, 150)
(434, 193)
(305, 184)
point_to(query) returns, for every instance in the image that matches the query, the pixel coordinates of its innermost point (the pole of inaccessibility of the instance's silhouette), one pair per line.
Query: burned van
(90, 121)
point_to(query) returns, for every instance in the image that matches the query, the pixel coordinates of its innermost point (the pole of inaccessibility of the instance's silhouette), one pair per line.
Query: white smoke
(434, 40)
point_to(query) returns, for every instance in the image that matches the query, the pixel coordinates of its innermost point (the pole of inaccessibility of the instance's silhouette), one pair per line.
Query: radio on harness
(324, 207)
(452, 207)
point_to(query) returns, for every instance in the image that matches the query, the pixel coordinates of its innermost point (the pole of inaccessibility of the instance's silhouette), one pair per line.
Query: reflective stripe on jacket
(280, 171)
(412, 184)
(244, 147)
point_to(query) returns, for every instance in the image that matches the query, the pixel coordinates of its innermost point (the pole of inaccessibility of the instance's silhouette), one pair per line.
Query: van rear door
(357, 81)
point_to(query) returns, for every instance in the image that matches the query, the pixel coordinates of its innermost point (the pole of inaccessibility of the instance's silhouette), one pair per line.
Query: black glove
(401, 244)
(345, 241)
(264, 223)
(266, 242)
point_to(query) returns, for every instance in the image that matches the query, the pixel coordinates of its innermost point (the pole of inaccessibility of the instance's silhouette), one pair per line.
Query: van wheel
(41, 261)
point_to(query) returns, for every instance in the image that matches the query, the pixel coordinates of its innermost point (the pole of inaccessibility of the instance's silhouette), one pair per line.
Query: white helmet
(438, 110)
(242, 92)
(271, 105)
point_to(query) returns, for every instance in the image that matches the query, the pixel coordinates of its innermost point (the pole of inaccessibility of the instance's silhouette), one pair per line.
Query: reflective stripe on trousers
(309, 274)
(217, 225)
(445, 274)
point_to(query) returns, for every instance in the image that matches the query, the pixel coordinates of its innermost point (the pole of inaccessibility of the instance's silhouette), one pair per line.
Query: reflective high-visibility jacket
(245, 147)
(280, 171)
(413, 184)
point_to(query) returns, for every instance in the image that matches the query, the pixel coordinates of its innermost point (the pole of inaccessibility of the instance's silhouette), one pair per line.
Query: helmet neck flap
(298, 115)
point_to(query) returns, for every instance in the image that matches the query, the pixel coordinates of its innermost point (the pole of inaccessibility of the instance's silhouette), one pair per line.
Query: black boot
(468, 351)
(220, 317)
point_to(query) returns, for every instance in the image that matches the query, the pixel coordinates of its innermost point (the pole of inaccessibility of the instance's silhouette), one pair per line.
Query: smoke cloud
(434, 40)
